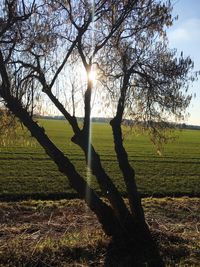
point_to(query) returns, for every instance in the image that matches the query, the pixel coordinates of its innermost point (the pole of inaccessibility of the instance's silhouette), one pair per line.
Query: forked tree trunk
(103, 212)
(106, 185)
(132, 240)
(129, 235)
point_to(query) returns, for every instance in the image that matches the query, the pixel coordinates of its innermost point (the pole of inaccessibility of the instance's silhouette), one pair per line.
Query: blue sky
(185, 36)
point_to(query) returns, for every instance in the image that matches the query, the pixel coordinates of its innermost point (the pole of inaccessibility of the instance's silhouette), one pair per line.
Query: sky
(185, 36)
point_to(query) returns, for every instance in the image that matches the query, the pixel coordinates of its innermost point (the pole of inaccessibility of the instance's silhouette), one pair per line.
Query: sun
(92, 76)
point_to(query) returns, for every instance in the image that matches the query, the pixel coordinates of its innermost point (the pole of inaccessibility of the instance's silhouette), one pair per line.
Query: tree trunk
(127, 171)
(138, 249)
(106, 185)
(104, 213)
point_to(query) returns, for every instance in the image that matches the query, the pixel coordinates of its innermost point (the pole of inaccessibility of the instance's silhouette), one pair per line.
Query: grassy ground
(65, 233)
(26, 171)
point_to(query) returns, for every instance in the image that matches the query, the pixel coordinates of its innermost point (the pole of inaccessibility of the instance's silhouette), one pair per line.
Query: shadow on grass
(77, 256)
(174, 250)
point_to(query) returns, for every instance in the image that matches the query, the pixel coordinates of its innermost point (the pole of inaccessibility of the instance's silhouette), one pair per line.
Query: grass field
(26, 171)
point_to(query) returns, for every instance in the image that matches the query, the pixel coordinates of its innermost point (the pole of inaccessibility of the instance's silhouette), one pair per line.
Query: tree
(125, 41)
(8, 127)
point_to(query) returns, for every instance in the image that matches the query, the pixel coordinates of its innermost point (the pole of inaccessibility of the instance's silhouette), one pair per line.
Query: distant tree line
(125, 121)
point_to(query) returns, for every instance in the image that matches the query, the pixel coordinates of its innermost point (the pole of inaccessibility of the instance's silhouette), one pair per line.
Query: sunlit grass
(27, 170)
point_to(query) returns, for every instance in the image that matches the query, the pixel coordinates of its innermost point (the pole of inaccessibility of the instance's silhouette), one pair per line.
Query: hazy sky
(185, 36)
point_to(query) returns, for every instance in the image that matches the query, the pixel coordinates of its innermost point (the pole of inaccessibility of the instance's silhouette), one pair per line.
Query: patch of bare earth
(66, 233)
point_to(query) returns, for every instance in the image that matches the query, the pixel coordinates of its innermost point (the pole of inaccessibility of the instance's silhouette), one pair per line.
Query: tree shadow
(173, 250)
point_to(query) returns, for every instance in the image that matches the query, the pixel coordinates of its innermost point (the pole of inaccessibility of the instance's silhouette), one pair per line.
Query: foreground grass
(65, 233)
(26, 171)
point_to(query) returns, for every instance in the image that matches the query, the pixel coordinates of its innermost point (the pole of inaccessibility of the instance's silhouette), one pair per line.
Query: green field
(26, 171)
